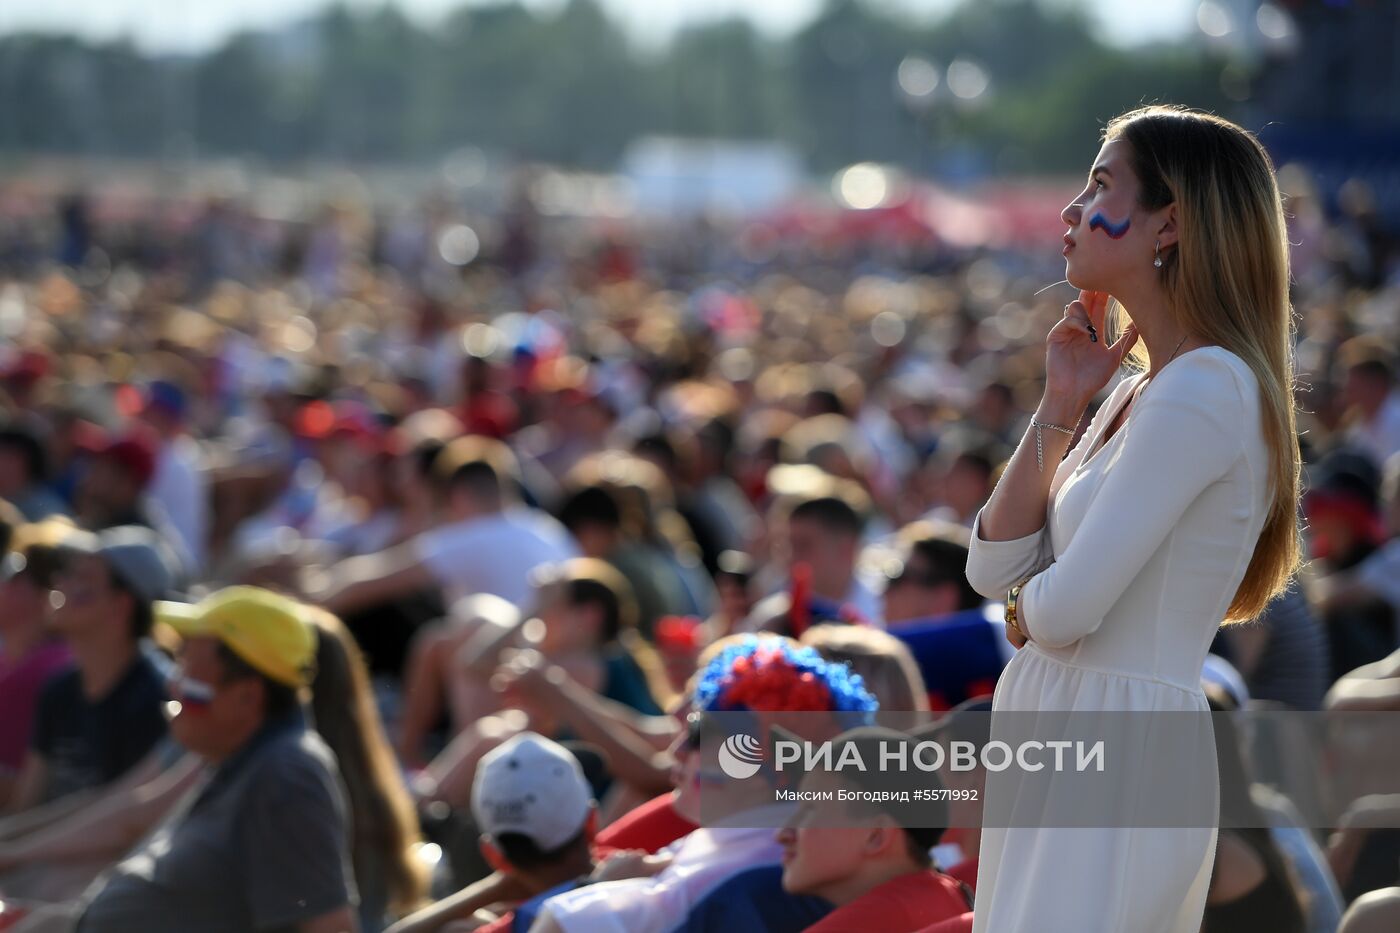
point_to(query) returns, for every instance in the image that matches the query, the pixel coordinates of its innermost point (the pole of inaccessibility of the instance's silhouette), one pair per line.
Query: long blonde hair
(1227, 281)
(383, 819)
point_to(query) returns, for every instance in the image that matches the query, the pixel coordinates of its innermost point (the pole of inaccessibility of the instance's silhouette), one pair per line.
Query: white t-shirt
(494, 553)
(179, 486)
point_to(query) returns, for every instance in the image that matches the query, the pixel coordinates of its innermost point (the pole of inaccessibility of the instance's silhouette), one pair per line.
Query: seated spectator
(645, 493)
(1253, 887)
(635, 745)
(29, 652)
(1346, 528)
(930, 606)
(611, 521)
(537, 818)
(58, 861)
(1378, 575)
(965, 474)
(113, 492)
(877, 872)
(264, 843)
(103, 715)
(1372, 417)
(24, 465)
(719, 877)
(822, 542)
(587, 626)
(178, 483)
(882, 661)
(490, 544)
(474, 625)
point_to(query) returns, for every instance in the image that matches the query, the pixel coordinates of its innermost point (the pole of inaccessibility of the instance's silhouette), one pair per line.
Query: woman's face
(1111, 238)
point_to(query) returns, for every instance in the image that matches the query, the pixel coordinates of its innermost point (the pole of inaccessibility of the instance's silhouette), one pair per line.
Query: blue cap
(166, 396)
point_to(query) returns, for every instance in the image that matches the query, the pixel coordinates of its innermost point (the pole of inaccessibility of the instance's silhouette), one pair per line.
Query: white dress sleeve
(993, 566)
(1185, 434)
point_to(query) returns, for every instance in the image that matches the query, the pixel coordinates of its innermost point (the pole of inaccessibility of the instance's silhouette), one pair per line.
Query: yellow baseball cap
(269, 631)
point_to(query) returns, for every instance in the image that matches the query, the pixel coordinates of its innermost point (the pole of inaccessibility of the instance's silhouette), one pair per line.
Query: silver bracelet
(1039, 444)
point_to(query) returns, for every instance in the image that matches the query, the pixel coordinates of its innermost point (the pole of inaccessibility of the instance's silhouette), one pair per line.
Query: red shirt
(901, 905)
(651, 826)
(959, 924)
(965, 871)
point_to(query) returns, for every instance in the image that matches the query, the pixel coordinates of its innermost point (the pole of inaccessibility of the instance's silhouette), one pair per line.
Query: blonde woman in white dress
(1175, 512)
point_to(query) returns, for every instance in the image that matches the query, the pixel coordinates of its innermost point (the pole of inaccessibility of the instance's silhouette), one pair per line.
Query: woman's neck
(1157, 328)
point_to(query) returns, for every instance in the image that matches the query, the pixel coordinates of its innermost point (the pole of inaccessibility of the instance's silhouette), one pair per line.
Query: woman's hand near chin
(1078, 365)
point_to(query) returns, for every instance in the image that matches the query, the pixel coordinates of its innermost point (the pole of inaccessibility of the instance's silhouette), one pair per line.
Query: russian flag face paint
(1114, 230)
(188, 695)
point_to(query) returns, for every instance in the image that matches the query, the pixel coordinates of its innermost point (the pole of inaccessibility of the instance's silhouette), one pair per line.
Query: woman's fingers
(1097, 307)
(1077, 322)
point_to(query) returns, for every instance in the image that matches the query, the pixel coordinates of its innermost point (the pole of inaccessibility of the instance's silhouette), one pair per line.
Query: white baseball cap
(531, 786)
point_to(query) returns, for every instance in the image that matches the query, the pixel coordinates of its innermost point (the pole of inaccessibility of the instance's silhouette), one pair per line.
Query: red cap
(322, 420)
(135, 453)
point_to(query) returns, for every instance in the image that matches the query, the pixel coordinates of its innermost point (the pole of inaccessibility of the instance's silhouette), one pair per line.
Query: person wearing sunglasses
(101, 716)
(263, 844)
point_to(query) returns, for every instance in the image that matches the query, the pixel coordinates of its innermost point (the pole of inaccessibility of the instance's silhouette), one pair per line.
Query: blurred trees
(569, 87)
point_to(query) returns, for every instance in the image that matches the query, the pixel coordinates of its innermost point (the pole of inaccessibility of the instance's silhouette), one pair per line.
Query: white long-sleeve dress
(1146, 539)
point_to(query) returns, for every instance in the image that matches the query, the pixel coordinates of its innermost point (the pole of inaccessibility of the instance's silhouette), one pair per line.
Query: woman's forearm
(630, 755)
(494, 888)
(1017, 505)
(109, 826)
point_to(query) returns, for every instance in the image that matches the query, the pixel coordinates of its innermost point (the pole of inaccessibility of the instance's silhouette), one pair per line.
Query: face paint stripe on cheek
(1115, 231)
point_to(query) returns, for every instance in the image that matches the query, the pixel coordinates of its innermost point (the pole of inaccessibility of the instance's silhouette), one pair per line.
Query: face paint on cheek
(1115, 231)
(188, 695)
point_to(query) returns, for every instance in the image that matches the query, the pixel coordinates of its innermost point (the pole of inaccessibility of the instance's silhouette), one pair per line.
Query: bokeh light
(967, 79)
(458, 245)
(863, 186)
(917, 77)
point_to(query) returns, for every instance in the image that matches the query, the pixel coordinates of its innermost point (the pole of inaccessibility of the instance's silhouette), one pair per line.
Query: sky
(197, 25)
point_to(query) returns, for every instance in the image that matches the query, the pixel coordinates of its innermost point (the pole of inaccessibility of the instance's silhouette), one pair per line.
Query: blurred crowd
(508, 503)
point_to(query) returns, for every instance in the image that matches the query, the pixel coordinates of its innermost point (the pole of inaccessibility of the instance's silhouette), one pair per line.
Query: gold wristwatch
(1012, 595)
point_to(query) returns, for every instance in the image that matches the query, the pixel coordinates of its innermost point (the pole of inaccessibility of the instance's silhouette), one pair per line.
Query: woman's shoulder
(1211, 375)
